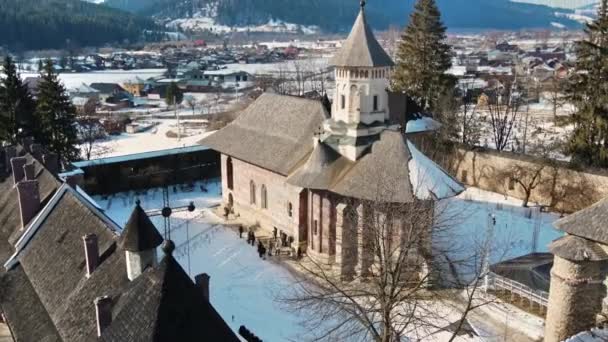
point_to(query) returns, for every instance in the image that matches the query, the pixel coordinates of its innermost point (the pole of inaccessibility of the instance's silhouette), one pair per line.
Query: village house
(291, 165)
(69, 274)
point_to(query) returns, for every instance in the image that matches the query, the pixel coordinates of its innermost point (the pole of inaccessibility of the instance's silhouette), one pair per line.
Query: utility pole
(179, 133)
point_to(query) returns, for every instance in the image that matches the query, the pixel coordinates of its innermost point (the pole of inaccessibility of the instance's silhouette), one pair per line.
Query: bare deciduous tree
(528, 177)
(400, 252)
(469, 120)
(504, 109)
(90, 132)
(191, 103)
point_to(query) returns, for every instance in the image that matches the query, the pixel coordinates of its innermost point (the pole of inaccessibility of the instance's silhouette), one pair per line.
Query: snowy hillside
(569, 4)
(205, 19)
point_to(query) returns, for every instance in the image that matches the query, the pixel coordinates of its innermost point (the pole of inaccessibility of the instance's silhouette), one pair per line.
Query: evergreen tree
(588, 91)
(57, 115)
(423, 57)
(174, 95)
(16, 105)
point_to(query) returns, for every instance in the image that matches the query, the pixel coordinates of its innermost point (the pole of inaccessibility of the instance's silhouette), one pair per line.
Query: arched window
(229, 173)
(353, 99)
(290, 209)
(252, 192)
(264, 197)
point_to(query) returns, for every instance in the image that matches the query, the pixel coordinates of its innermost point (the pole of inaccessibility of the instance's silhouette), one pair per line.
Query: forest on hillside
(337, 15)
(52, 24)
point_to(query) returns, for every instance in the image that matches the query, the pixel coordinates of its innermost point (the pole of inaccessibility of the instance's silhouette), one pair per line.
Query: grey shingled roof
(49, 297)
(140, 234)
(361, 49)
(275, 132)
(323, 169)
(54, 259)
(164, 304)
(590, 223)
(575, 248)
(26, 316)
(381, 174)
(10, 221)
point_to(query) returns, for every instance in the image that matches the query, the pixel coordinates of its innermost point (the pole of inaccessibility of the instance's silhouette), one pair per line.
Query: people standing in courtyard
(252, 238)
(240, 231)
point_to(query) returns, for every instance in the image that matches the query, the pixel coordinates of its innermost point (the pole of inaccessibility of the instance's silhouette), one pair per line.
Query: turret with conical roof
(139, 240)
(360, 109)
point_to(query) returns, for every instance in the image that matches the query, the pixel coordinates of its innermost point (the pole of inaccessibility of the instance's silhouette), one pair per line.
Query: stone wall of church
(279, 197)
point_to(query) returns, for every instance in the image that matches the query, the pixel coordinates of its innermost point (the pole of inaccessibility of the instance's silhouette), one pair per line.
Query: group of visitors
(274, 244)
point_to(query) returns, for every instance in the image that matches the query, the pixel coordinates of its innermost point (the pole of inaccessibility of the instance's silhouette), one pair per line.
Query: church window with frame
(264, 197)
(252, 192)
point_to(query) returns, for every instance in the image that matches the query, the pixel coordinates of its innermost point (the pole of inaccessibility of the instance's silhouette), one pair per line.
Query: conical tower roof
(165, 305)
(361, 49)
(140, 234)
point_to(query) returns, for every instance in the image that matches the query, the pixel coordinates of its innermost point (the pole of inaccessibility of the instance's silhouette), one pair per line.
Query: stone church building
(312, 172)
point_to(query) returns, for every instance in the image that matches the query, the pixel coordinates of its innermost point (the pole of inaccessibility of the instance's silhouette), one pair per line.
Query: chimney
(91, 252)
(17, 164)
(51, 162)
(202, 281)
(29, 170)
(10, 152)
(36, 151)
(29, 200)
(75, 180)
(103, 312)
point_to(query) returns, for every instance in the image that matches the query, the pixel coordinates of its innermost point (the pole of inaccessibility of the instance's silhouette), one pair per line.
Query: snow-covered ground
(471, 216)
(244, 288)
(155, 139)
(71, 80)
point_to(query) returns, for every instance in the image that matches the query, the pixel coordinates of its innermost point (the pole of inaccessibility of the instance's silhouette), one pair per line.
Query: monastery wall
(279, 196)
(554, 184)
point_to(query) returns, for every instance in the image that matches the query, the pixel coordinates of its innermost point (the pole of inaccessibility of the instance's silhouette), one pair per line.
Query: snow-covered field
(71, 80)
(244, 288)
(155, 139)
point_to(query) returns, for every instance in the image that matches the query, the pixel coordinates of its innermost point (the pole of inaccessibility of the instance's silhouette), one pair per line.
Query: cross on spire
(362, 3)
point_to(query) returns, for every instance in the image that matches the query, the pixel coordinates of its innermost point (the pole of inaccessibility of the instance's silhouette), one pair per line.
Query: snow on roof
(423, 124)
(83, 88)
(429, 179)
(594, 335)
(137, 156)
(457, 70)
(224, 72)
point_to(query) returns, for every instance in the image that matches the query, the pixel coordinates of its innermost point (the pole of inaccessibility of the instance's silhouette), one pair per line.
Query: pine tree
(588, 91)
(16, 105)
(423, 57)
(57, 116)
(174, 95)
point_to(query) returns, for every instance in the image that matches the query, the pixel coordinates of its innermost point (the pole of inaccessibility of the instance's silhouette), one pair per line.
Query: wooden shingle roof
(139, 234)
(164, 304)
(384, 173)
(275, 132)
(590, 223)
(361, 49)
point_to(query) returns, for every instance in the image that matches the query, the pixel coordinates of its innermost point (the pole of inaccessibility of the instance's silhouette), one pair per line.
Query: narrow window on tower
(342, 101)
(375, 103)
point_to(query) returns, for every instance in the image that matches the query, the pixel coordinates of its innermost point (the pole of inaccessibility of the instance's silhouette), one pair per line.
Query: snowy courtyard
(244, 288)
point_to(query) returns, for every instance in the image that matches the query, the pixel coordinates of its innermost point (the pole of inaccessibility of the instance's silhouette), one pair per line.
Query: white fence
(497, 283)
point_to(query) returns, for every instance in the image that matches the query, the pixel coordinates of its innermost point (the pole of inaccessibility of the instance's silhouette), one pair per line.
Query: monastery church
(290, 164)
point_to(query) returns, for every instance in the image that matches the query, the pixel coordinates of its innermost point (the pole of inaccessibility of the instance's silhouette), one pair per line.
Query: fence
(497, 282)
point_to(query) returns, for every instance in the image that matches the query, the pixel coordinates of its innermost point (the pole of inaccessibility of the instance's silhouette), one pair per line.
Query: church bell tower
(360, 108)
